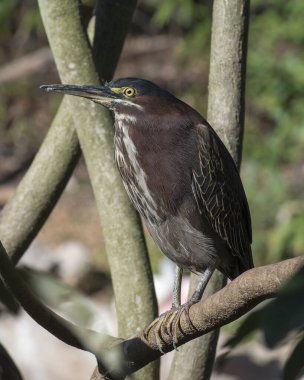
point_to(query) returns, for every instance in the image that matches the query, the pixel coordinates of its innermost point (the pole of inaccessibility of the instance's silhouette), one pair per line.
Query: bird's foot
(169, 322)
(175, 321)
(165, 319)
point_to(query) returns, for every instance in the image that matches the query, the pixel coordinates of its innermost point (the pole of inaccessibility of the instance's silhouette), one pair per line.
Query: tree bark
(225, 306)
(41, 187)
(226, 101)
(226, 108)
(125, 245)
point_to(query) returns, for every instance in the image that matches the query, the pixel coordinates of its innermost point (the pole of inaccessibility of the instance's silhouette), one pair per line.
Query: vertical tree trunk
(226, 105)
(226, 101)
(125, 244)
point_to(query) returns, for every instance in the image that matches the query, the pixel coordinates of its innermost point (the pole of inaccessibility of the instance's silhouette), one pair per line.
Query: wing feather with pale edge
(219, 194)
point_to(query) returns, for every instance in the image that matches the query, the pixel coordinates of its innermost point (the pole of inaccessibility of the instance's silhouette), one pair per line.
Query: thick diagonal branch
(223, 307)
(67, 332)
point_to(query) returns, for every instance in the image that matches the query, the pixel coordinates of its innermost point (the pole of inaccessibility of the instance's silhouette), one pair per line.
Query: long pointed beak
(96, 93)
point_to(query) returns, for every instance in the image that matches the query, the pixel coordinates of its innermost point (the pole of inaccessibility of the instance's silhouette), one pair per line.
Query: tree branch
(40, 188)
(225, 306)
(40, 313)
(227, 77)
(67, 332)
(116, 27)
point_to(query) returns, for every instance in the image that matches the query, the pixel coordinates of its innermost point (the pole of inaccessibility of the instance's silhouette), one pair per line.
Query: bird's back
(220, 195)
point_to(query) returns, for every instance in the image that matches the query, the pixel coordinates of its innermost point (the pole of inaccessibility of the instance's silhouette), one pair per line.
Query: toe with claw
(157, 325)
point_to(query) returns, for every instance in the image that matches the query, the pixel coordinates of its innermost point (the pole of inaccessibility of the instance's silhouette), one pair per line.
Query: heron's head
(121, 95)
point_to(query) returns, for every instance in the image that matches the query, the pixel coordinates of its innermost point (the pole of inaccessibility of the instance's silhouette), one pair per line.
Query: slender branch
(116, 27)
(40, 313)
(42, 185)
(67, 332)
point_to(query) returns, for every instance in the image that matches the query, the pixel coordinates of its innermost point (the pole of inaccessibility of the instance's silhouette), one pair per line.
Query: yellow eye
(129, 91)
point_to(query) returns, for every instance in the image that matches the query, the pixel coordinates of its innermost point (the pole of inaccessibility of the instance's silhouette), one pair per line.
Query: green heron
(180, 178)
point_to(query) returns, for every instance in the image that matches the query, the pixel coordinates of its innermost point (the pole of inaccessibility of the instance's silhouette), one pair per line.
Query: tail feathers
(240, 264)
(234, 265)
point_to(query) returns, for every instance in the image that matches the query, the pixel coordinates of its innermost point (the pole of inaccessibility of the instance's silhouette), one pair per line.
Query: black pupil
(129, 91)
